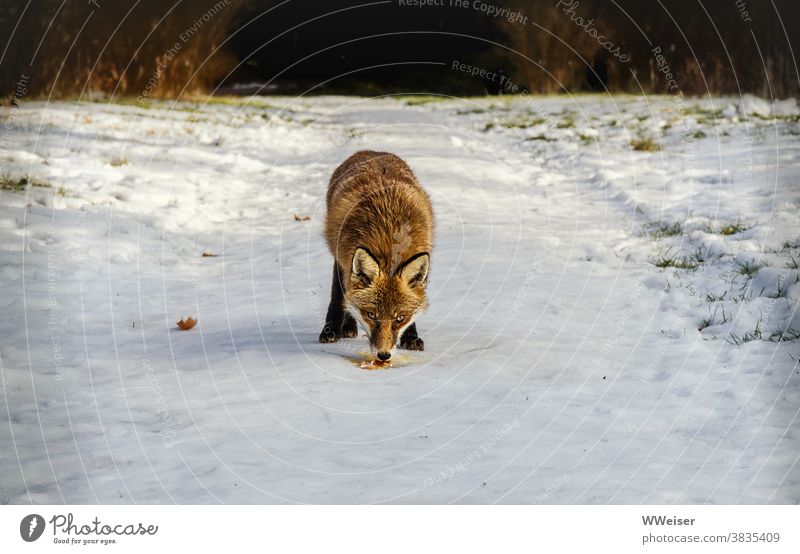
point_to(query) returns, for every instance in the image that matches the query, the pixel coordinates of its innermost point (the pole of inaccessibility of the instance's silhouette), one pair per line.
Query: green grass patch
(793, 118)
(711, 297)
(781, 335)
(126, 101)
(748, 269)
(522, 123)
(745, 337)
(11, 184)
(419, 99)
(542, 138)
(786, 335)
(471, 111)
(668, 259)
(734, 228)
(711, 320)
(659, 229)
(239, 101)
(515, 121)
(704, 116)
(188, 104)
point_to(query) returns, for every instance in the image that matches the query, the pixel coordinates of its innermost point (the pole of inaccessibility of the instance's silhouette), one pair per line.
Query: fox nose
(383, 356)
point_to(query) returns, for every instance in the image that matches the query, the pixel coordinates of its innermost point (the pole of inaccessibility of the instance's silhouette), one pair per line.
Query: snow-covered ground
(568, 359)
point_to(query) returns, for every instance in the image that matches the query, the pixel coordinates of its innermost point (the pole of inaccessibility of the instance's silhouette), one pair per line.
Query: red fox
(379, 228)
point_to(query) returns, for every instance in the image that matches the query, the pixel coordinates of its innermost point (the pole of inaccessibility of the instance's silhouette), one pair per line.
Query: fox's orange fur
(379, 228)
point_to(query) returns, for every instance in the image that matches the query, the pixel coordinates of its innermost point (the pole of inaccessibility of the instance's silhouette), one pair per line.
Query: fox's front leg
(332, 331)
(349, 326)
(410, 340)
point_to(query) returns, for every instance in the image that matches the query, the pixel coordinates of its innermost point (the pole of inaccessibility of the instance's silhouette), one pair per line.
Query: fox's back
(374, 201)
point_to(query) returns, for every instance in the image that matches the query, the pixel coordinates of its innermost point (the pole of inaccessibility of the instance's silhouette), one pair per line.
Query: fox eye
(371, 315)
(400, 318)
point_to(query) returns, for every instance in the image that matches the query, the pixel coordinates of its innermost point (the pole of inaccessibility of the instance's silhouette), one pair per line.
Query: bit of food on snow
(186, 323)
(374, 364)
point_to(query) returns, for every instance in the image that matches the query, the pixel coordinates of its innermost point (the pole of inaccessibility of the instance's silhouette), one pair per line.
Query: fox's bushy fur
(379, 228)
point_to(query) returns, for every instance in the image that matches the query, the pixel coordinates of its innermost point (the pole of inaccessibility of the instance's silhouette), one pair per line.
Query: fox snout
(382, 340)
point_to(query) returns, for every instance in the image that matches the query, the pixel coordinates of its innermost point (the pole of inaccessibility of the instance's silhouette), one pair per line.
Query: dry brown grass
(99, 51)
(554, 66)
(645, 144)
(701, 61)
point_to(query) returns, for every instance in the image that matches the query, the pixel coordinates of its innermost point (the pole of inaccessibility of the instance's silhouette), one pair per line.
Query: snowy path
(561, 364)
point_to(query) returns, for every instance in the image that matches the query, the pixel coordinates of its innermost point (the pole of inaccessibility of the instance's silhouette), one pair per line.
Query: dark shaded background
(344, 46)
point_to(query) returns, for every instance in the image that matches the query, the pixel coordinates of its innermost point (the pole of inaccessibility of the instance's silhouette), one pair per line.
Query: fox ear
(414, 271)
(365, 267)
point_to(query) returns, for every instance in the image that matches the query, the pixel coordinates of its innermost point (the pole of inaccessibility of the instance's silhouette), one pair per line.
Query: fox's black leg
(335, 317)
(349, 326)
(410, 340)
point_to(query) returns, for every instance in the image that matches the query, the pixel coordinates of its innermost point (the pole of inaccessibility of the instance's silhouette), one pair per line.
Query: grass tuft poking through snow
(748, 269)
(20, 184)
(670, 259)
(645, 144)
(659, 229)
(734, 228)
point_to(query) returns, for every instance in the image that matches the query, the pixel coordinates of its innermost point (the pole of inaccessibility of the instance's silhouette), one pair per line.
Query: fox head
(386, 300)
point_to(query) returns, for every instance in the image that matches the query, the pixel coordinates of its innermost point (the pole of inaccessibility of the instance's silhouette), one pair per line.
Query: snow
(562, 365)
(753, 105)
